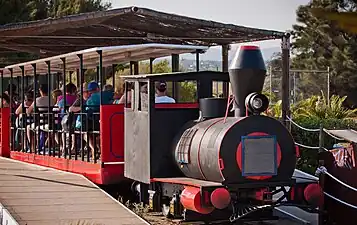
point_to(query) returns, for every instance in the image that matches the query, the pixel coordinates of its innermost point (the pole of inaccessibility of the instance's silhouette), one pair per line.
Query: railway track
(156, 218)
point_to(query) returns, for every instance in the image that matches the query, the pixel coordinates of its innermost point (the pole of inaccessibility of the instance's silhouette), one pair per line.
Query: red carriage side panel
(5, 132)
(90, 170)
(112, 142)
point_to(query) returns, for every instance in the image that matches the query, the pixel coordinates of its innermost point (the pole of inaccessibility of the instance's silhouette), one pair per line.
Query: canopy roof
(122, 26)
(111, 55)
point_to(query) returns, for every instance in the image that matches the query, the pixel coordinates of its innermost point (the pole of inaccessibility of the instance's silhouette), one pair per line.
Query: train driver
(161, 96)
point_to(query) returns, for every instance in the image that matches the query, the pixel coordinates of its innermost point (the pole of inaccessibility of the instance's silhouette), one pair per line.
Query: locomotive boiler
(246, 148)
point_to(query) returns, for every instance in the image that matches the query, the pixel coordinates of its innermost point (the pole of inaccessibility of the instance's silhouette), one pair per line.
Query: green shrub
(308, 157)
(187, 91)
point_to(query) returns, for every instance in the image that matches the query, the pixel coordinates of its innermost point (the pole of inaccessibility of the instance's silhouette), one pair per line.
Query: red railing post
(5, 132)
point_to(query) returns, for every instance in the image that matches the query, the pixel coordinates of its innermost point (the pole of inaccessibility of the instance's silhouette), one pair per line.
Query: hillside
(211, 60)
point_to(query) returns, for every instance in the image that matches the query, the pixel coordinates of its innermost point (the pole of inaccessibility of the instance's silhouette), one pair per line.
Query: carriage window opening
(143, 96)
(217, 89)
(128, 97)
(187, 92)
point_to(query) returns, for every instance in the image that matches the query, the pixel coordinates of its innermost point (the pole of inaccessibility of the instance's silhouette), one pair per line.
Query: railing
(322, 169)
(48, 138)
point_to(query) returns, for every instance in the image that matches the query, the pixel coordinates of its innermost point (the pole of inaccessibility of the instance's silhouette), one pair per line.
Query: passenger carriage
(108, 168)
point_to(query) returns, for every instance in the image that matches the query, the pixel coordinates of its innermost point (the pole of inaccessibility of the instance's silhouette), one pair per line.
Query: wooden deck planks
(36, 195)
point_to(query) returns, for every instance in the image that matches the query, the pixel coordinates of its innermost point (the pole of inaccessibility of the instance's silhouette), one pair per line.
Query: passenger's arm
(122, 99)
(74, 109)
(19, 109)
(30, 109)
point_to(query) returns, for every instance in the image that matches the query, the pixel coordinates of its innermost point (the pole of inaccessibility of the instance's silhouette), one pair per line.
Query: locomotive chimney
(246, 74)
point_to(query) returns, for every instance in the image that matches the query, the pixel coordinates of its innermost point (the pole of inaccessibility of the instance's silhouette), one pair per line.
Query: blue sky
(267, 14)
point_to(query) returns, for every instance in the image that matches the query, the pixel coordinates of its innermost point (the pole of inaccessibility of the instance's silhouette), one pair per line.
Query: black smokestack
(247, 74)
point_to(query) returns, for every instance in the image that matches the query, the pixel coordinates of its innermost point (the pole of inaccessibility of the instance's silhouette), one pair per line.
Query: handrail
(323, 169)
(314, 130)
(301, 127)
(340, 201)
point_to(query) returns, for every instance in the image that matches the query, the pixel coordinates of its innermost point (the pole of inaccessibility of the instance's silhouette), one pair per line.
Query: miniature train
(200, 160)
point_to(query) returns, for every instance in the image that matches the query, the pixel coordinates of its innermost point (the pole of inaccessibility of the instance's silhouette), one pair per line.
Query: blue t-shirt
(93, 103)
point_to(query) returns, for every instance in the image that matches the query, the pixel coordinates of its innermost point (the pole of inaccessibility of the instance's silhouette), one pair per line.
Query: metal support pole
(131, 67)
(50, 121)
(11, 111)
(321, 162)
(175, 66)
(2, 84)
(70, 76)
(294, 90)
(11, 78)
(34, 103)
(328, 86)
(225, 50)
(151, 65)
(197, 61)
(97, 75)
(271, 81)
(135, 70)
(80, 80)
(23, 114)
(175, 62)
(100, 54)
(114, 66)
(285, 46)
(65, 109)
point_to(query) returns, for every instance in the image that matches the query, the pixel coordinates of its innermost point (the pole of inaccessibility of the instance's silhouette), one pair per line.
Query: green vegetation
(310, 113)
(320, 43)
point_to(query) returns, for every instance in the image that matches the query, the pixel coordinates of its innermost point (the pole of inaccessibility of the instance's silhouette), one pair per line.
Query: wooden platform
(36, 195)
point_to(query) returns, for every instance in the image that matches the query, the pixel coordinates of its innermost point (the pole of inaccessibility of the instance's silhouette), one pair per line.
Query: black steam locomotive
(206, 160)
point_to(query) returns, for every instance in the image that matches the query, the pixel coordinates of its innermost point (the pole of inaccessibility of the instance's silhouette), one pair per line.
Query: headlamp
(256, 103)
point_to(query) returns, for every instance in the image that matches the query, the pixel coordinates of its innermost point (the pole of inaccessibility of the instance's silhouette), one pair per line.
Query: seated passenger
(92, 106)
(55, 95)
(42, 104)
(5, 101)
(161, 96)
(108, 87)
(14, 100)
(76, 108)
(71, 97)
(123, 98)
(117, 96)
(144, 97)
(19, 122)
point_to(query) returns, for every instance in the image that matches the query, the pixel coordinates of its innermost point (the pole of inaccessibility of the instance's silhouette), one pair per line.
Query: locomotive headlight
(256, 103)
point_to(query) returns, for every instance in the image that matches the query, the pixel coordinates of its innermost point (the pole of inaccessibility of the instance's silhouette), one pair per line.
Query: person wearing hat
(93, 106)
(161, 96)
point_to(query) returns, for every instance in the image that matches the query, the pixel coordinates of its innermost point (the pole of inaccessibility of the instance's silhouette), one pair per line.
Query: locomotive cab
(150, 130)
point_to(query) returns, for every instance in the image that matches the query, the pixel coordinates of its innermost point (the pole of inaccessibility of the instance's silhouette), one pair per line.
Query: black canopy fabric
(123, 26)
